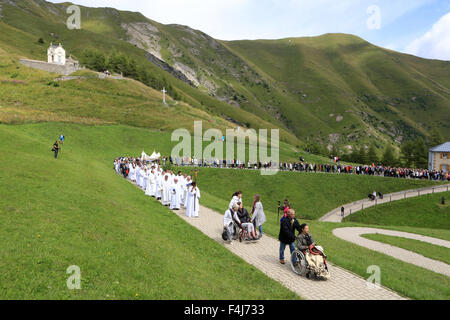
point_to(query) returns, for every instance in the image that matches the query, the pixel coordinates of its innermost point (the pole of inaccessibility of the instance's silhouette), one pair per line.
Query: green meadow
(418, 212)
(77, 211)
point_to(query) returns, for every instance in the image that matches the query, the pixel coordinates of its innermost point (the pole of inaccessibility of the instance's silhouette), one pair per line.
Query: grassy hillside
(335, 88)
(27, 21)
(77, 211)
(424, 211)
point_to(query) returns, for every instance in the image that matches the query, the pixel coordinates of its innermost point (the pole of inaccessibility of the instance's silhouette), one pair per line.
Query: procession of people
(178, 190)
(334, 167)
(172, 190)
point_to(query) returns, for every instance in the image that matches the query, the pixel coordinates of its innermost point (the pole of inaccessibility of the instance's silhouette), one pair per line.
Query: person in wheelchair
(314, 255)
(229, 224)
(244, 222)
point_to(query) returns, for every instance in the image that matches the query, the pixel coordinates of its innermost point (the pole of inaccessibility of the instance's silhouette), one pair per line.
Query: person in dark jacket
(287, 236)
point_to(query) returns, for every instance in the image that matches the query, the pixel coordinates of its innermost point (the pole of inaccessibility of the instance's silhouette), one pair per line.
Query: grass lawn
(425, 211)
(426, 249)
(77, 211)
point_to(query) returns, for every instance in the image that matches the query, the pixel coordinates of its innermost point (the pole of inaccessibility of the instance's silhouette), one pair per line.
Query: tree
(415, 153)
(435, 138)
(407, 153)
(421, 153)
(362, 155)
(389, 158)
(372, 156)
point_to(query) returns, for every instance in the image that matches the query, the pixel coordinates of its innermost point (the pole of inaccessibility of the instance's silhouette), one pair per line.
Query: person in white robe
(228, 223)
(132, 173)
(150, 190)
(165, 198)
(192, 203)
(185, 190)
(145, 179)
(139, 176)
(258, 216)
(158, 185)
(182, 182)
(175, 195)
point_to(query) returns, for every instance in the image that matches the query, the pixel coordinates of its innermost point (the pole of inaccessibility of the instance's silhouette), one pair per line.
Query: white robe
(151, 185)
(192, 203)
(132, 173)
(185, 191)
(158, 186)
(165, 198)
(175, 196)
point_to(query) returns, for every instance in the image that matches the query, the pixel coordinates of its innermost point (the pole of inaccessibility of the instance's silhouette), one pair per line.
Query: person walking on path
(287, 236)
(258, 216)
(56, 149)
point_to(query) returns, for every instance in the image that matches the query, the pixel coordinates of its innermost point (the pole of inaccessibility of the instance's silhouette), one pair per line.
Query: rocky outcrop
(166, 67)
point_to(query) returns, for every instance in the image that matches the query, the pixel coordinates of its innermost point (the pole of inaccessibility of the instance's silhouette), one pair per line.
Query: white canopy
(153, 157)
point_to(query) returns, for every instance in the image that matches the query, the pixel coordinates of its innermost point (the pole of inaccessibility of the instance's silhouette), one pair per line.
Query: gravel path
(350, 208)
(354, 235)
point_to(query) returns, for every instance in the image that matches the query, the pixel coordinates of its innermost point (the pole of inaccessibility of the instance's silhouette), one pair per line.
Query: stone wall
(49, 67)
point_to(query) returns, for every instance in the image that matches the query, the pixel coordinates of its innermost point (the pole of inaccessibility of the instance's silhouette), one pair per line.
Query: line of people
(173, 190)
(302, 166)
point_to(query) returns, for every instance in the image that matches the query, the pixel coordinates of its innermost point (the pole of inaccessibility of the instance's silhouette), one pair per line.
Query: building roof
(445, 147)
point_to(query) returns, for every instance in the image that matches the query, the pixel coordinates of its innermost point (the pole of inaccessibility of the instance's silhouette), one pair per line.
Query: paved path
(350, 208)
(343, 285)
(354, 235)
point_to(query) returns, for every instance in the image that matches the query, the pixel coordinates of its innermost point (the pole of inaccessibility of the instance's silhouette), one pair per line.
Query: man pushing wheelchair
(308, 259)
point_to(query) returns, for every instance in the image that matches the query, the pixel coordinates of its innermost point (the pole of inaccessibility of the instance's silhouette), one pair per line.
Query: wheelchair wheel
(300, 266)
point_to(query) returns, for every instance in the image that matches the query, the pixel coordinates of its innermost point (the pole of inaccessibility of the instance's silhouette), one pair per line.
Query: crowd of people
(179, 190)
(302, 166)
(173, 190)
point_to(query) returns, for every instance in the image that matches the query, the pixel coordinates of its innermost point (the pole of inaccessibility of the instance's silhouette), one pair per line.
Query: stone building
(439, 158)
(56, 61)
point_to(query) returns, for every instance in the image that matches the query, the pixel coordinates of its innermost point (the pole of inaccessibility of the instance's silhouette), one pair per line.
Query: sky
(419, 27)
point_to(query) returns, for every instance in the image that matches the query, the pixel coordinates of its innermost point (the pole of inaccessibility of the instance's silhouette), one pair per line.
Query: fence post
(362, 206)
(390, 200)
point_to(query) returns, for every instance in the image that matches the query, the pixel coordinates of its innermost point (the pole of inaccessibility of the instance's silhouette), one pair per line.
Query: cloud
(435, 44)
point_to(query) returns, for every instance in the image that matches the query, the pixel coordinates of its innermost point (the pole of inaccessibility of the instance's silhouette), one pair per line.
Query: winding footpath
(263, 255)
(351, 208)
(354, 235)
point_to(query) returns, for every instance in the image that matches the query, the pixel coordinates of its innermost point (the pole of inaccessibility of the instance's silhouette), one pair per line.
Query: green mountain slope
(336, 88)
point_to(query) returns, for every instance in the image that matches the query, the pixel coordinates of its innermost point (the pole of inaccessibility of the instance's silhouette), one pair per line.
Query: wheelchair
(241, 233)
(300, 265)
